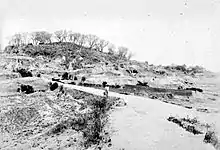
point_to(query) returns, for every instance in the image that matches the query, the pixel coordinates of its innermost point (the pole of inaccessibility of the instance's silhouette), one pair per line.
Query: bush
(53, 86)
(65, 76)
(27, 89)
(75, 78)
(211, 137)
(83, 79)
(24, 73)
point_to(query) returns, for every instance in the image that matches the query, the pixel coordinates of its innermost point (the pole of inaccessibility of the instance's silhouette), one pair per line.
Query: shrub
(65, 76)
(54, 86)
(75, 78)
(83, 79)
(27, 89)
(24, 73)
(211, 137)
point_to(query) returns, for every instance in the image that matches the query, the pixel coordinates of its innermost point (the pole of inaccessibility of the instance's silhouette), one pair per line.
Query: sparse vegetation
(212, 138)
(24, 72)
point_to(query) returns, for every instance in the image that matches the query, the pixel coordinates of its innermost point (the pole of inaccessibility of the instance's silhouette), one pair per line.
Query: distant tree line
(83, 40)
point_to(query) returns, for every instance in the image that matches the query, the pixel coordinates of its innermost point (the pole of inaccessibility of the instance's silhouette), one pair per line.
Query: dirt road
(143, 125)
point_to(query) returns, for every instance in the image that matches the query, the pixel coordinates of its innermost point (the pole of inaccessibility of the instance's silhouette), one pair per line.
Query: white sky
(158, 31)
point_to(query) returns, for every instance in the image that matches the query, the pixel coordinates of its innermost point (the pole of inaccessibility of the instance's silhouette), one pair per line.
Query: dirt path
(143, 125)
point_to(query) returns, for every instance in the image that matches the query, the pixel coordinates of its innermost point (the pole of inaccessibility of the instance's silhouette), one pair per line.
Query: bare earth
(143, 125)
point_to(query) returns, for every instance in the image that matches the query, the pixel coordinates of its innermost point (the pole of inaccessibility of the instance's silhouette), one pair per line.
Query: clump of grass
(212, 138)
(24, 72)
(97, 120)
(186, 123)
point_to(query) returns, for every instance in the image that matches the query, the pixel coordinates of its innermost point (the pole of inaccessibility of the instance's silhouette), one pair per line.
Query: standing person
(106, 88)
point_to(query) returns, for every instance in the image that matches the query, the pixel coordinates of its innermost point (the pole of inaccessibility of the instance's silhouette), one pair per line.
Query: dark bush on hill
(75, 78)
(83, 79)
(65, 76)
(24, 73)
(27, 89)
(53, 86)
(195, 89)
(142, 83)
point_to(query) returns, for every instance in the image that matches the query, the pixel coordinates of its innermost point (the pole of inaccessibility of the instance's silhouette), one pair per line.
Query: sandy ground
(143, 124)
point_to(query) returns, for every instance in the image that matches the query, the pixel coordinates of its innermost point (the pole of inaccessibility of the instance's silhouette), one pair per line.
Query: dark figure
(104, 84)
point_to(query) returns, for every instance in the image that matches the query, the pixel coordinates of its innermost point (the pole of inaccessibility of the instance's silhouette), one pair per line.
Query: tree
(122, 52)
(73, 37)
(16, 39)
(41, 37)
(82, 40)
(25, 37)
(61, 35)
(130, 55)
(111, 49)
(101, 44)
(92, 40)
(32, 38)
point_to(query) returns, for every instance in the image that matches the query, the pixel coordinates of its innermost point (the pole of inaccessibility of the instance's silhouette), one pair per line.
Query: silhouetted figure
(106, 88)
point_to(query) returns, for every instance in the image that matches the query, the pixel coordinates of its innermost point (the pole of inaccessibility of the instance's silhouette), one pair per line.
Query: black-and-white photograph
(109, 74)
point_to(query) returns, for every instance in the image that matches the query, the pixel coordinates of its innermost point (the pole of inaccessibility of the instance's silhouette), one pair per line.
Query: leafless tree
(25, 37)
(101, 44)
(92, 40)
(130, 55)
(40, 37)
(32, 38)
(111, 49)
(61, 35)
(16, 39)
(74, 37)
(82, 40)
(122, 52)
